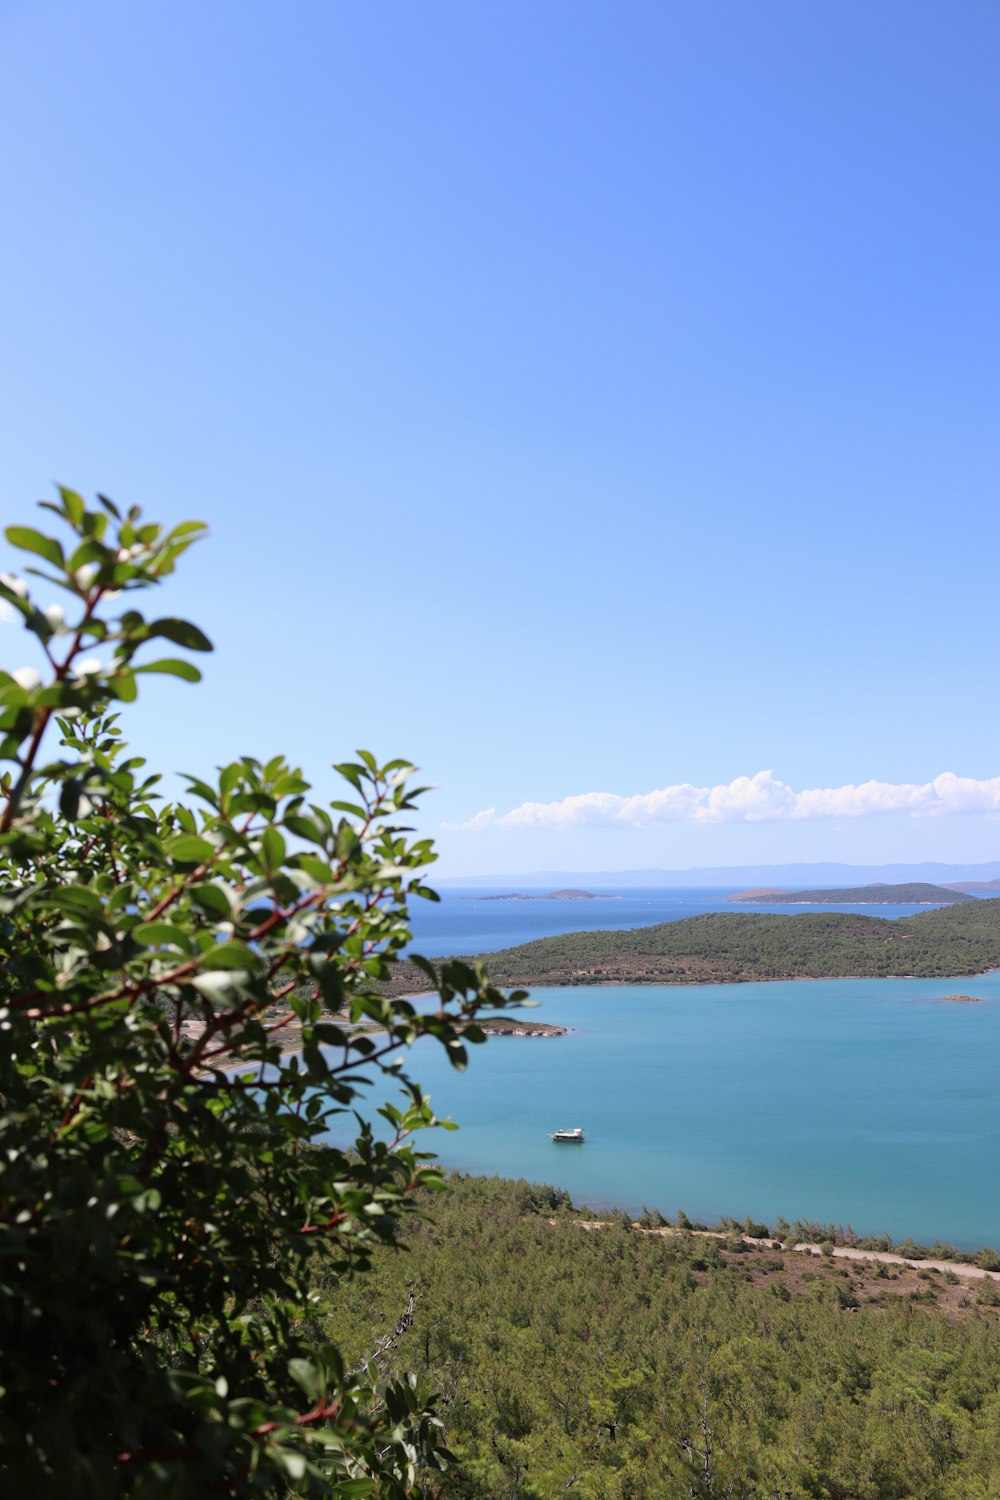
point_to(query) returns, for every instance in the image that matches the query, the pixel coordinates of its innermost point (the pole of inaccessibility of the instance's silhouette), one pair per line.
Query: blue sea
(868, 1102)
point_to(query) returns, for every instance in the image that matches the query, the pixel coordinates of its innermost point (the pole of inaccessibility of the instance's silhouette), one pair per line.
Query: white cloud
(749, 799)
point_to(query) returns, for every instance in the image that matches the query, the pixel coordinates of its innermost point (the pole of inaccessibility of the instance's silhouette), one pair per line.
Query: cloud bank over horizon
(761, 798)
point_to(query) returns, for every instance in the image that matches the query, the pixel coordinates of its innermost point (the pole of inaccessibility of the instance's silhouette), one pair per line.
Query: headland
(727, 947)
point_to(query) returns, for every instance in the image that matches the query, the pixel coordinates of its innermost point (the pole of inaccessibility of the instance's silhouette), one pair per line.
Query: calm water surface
(869, 1102)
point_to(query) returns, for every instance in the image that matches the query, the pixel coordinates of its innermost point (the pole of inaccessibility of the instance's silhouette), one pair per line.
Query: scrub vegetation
(617, 1364)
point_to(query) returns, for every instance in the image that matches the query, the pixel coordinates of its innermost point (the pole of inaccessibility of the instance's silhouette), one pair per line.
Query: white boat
(568, 1135)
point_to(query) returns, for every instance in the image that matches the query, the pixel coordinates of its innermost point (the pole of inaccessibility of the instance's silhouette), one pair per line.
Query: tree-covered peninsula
(732, 946)
(912, 893)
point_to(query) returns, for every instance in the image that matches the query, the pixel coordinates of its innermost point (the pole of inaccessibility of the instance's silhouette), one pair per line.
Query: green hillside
(612, 1364)
(947, 941)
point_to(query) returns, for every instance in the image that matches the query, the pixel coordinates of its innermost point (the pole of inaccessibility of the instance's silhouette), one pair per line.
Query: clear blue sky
(584, 397)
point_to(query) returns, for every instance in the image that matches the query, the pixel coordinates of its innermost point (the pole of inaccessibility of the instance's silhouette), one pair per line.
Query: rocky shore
(521, 1028)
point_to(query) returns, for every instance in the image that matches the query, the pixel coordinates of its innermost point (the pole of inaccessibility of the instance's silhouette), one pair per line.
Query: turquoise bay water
(869, 1102)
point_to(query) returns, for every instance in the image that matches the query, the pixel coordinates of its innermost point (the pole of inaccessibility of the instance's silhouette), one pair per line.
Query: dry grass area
(864, 1282)
(856, 1278)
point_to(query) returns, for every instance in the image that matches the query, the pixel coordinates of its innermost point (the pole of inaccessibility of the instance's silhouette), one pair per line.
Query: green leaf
(12, 694)
(161, 935)
(94, 524)
(317, 868)
(230, 777)
(273, 848)
(73, 898)
(172, 666)
(349, 807)
(306, 1376)
(123, 685)
(87, 552)
(202, 789)
(110, 507)
(350, 772)
(289, 786)
(29, 540)
(213, 900)
(181, 632)
(25, 606)
(347, 842)
(73, 505)
(305, 828)
(188, 849)
(457, 1055)
(231, 955)
(69, 798)
(220, 986)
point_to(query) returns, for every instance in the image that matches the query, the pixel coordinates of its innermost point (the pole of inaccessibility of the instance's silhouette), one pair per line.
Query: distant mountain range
(792, 876)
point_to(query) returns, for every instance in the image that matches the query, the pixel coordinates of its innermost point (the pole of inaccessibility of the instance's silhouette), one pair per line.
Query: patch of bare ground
(855, 1278)
(862, 1283)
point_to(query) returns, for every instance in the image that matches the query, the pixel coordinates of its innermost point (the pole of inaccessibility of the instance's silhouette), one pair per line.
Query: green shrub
(169, 1186)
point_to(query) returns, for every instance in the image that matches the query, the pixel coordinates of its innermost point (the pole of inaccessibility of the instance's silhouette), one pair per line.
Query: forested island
(961, 939)
(913, 893)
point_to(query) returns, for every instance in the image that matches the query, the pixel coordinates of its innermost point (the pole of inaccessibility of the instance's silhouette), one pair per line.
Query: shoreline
(601, 1204)
(578, 982)
(289, 1037)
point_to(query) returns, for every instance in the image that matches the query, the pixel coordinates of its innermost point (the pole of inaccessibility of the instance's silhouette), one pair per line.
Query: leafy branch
(155, 1143)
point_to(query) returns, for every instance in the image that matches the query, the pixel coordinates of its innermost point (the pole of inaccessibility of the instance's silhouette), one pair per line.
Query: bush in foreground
(167, 1188)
